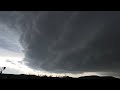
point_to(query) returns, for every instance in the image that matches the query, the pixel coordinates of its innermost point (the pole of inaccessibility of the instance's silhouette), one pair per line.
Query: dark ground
(22, 76)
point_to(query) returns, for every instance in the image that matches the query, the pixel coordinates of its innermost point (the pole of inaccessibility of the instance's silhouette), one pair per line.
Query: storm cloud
(68, 41)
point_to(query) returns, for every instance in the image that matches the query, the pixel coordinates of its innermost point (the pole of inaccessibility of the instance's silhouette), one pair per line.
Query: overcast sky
(73, 42)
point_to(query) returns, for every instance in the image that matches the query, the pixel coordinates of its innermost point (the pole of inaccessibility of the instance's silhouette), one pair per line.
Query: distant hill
(22, 76)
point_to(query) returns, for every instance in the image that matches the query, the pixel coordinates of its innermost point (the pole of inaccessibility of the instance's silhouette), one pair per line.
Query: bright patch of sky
(11, 52)
(11, 55)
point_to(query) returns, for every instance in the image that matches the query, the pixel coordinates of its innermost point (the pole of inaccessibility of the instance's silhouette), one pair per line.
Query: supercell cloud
(67, 41)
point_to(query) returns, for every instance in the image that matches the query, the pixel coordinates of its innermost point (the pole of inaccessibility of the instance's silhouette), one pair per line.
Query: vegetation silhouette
(23, 76)
(2, 69)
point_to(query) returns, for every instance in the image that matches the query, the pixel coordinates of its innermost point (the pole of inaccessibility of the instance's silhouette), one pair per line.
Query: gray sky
(61, 41)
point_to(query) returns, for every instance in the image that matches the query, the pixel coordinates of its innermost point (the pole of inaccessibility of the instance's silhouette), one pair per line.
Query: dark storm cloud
(8, 39)
(4, 44)
(70, 41)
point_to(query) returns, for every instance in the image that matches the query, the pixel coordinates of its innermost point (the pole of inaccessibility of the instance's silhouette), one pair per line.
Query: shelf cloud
(67, 41)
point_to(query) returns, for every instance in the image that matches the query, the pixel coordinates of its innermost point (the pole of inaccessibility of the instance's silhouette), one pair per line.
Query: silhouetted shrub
(2, 69)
